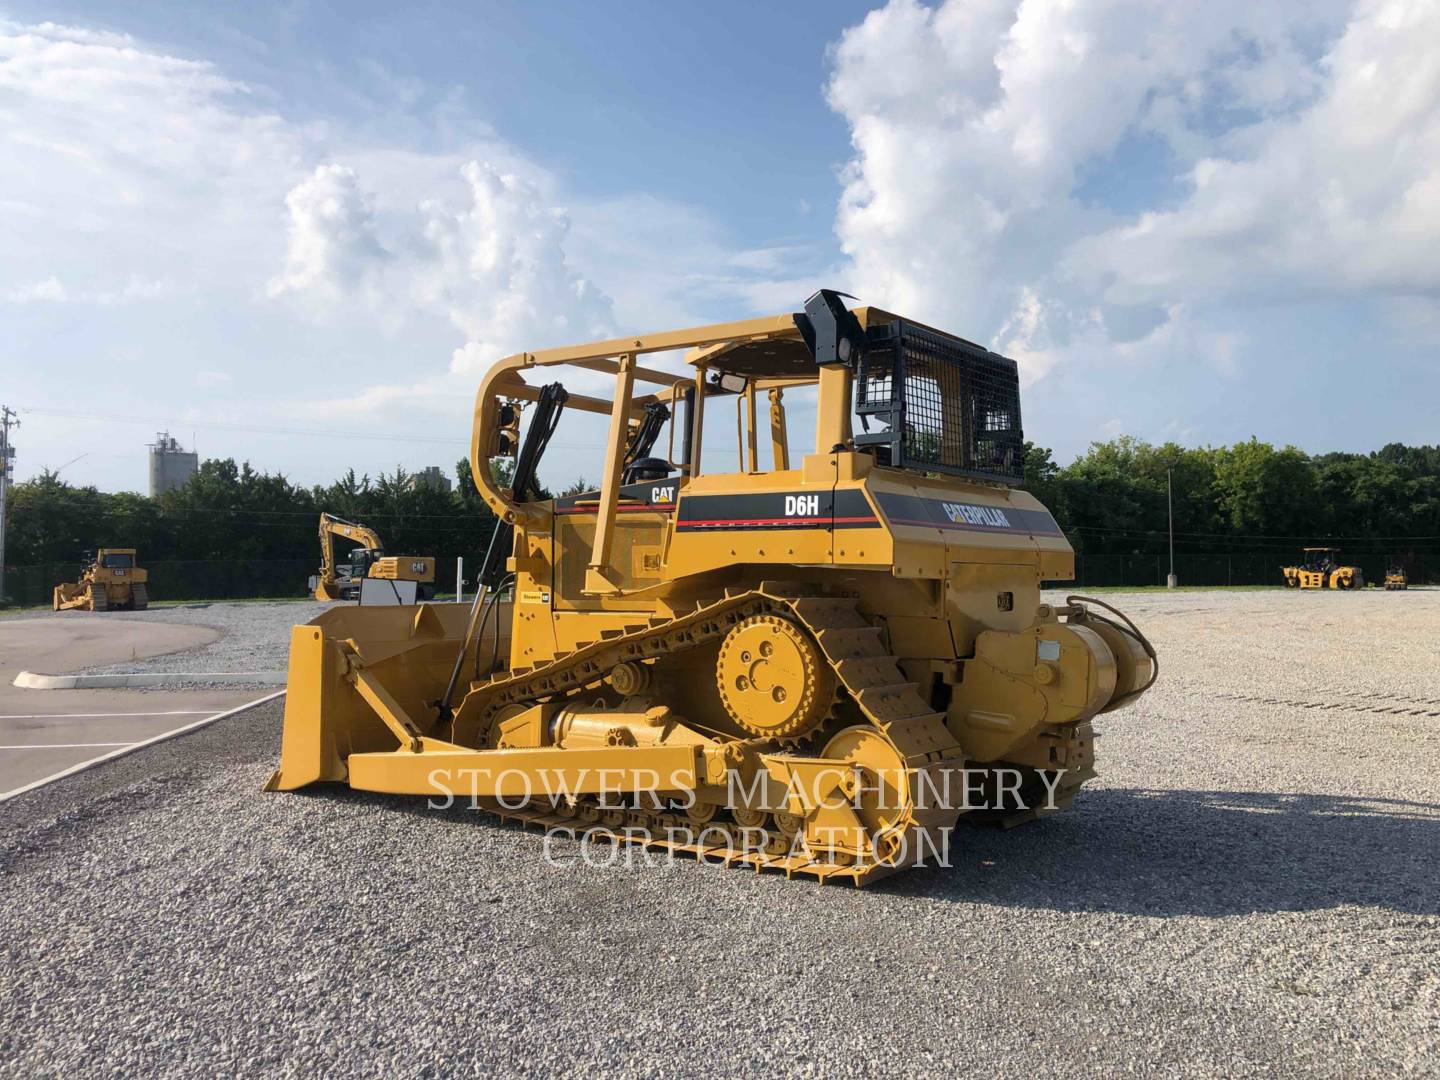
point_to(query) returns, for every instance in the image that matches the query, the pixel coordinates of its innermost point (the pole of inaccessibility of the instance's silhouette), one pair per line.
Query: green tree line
(231, 512)
(1246, 498)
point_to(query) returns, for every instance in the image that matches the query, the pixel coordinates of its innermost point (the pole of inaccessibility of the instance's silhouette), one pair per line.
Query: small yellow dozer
(1319, 570)
(341, 581)
(1395, 579)
(110, 582)
(814, 665)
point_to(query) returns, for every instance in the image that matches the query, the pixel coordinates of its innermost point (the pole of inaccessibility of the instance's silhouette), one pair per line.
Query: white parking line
(99, 715)
(127, 748)
(61, 745)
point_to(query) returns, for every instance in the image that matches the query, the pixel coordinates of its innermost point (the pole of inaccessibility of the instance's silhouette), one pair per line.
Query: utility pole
(1171, 581)
(7, 455)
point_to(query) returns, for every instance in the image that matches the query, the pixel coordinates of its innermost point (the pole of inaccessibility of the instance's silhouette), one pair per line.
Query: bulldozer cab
(116, 559)
(928, 404)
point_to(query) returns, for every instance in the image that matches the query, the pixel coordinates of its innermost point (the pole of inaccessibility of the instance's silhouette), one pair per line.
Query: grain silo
(171, 466)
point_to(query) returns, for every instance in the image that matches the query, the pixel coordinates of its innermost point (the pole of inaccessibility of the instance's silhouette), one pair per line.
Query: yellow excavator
(111, 581)
(342, 581)
(814, 664)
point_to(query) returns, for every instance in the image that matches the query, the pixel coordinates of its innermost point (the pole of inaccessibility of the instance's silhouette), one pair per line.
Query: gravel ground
(253, 637)
(1251, 888)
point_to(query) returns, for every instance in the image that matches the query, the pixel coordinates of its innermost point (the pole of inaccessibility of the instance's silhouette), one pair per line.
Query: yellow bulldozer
(111, 581)
(1319, 569)
(342, 580)
(812, 664)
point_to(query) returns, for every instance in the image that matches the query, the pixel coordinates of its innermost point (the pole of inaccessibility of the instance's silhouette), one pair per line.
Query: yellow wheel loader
(109, 582)
(1319, 570)
(341, 581)
(814, 665)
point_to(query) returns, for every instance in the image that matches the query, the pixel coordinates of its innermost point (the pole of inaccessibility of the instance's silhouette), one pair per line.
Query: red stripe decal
(818, 522)
(594, 508)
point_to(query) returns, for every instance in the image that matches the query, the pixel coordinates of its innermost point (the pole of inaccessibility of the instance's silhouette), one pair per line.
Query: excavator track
(857, 654)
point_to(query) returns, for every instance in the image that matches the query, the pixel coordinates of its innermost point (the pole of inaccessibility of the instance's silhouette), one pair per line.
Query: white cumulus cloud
(492, 263)
(129, 169)
(333, 249)
(50, 290)
(499, 269)
(1343, 195)
(1287, 151)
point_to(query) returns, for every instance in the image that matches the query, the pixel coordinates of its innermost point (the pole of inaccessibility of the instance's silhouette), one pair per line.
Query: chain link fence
(33, 586)
(1121, 571)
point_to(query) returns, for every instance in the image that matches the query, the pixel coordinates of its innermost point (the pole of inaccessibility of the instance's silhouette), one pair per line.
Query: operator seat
(648, 468)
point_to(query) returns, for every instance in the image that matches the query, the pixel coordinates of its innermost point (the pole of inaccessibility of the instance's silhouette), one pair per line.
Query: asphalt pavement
(44, 732)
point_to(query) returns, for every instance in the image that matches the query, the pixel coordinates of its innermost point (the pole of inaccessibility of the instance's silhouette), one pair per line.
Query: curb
(30, 680)
(164, 736)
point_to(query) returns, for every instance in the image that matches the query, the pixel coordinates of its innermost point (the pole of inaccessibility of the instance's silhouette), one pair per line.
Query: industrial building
(432, 477)
(171, 466)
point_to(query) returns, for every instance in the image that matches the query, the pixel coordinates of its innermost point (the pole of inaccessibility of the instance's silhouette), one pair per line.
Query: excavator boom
(330, 584)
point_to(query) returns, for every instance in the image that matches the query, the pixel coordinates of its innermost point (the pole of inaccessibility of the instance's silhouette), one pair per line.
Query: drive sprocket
(773, 679)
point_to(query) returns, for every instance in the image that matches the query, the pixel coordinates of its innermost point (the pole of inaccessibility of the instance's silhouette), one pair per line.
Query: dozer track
(857, 656)
(139, 598)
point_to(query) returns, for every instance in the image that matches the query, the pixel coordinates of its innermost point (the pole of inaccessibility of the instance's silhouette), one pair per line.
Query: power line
(1241, 536)
(265, 429)
(140, 503)
(274, 429)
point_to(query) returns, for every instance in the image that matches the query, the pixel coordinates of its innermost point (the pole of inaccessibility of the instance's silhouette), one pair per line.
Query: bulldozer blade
(405, 652)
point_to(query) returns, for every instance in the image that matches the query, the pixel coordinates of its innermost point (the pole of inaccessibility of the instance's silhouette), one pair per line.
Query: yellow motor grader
(109, 582)
(814, 664)
(1320, 570)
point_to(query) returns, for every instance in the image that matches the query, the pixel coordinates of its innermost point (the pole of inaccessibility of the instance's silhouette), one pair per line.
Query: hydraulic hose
(549, 407)
(485, 601)
(492, 603)
(475, 611)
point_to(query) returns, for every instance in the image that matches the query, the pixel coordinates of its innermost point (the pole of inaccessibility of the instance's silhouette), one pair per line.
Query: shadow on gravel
(1155, 852)
(1152, 852)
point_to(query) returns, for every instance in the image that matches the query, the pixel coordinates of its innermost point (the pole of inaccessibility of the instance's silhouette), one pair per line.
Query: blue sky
(719, 105)
(297, 233)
